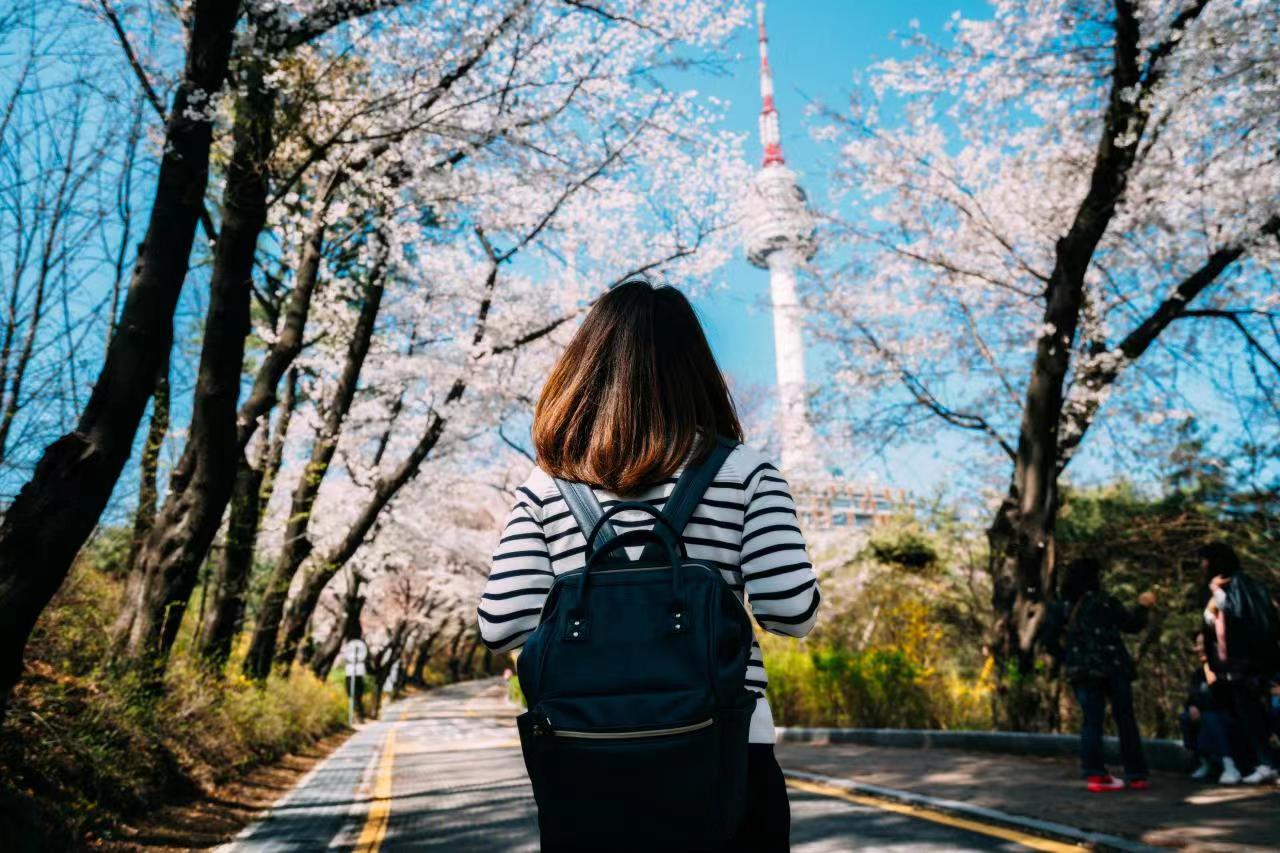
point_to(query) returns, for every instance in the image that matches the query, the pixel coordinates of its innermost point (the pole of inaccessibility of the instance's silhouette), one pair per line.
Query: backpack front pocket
(649, 788)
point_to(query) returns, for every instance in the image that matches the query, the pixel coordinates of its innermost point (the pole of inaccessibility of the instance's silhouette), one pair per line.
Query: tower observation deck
(780, 232)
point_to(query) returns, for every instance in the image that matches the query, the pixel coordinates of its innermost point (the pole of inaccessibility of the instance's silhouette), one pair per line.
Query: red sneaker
(1138, 785)
(1098, 784)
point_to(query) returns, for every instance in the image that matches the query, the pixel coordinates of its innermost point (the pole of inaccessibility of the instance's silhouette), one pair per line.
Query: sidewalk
(1175, 813)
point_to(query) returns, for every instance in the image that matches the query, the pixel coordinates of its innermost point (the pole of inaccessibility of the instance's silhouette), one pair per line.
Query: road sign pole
(351, 696)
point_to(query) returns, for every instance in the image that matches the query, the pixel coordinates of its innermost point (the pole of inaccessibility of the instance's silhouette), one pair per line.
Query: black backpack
(1253, 626)
(636, 733)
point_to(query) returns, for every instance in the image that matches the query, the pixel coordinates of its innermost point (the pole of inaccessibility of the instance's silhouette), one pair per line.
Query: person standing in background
(1084, 629)
(1242, 645)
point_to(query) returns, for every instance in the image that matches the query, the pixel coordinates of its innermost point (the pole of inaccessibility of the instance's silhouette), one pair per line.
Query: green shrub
(877, 688)
(514, 693)
(904, 544)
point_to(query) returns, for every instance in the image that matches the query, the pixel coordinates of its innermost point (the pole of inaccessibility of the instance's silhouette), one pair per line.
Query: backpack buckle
(679, 621)
(576, 628)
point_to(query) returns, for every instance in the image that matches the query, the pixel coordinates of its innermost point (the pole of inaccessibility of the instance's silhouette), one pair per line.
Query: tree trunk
(419, 674)
(148, 493)
(58, 508)
(232, 572)
(469, 659)
(297, 544)
(202, 482)
(327, 653)
(249, 499)
(454, 662)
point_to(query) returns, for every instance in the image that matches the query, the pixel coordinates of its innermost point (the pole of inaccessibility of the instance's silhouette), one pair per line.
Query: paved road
(443, 771)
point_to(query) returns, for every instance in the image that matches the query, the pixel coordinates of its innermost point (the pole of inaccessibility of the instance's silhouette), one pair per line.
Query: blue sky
(814, 47)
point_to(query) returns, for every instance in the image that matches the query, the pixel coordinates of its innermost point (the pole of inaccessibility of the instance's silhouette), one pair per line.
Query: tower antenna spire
(780, 238)
(770, 137)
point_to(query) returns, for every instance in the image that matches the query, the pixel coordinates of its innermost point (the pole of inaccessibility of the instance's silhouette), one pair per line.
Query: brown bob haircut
(635, 394)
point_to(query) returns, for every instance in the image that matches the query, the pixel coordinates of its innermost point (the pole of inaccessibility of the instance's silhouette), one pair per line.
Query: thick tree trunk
(58, 508)
(326, 654)
(201, 484)
(144, 517)
(297, 544)
(1021, 535)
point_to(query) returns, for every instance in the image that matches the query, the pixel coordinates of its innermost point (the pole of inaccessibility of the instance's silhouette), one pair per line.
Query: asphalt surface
(442, 771)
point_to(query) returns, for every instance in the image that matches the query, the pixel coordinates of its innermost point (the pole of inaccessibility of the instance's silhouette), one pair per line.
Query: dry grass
(82, 748)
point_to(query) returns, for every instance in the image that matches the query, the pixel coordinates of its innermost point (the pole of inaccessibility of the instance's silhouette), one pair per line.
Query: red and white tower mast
(780, 238)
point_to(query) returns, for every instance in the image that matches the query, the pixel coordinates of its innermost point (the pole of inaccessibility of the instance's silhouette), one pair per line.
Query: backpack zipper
(673, 730)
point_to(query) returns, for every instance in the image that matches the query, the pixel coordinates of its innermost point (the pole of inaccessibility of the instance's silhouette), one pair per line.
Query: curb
(1167, 755)
(981, 814)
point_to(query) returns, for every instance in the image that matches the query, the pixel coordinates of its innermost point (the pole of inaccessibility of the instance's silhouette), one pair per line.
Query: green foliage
(514, 693)
(905, 545)
(898, 644)
(840, 687)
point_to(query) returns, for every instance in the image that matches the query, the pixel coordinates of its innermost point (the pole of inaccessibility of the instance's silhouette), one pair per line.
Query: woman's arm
(518, 580)
(776, 572)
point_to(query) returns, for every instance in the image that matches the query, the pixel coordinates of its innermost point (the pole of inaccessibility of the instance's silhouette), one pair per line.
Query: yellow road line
(1034, 842)
(375, 823)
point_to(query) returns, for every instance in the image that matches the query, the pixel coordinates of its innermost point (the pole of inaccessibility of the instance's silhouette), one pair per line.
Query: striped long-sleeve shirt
(745, 525)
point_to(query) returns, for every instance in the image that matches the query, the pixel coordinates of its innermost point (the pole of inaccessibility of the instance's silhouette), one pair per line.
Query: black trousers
(1245, 704)
(767, 826)
(1093, 696)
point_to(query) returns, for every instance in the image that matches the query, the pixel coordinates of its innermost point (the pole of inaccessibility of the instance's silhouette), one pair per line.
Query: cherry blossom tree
(414, 201)
(200, 485)
(618, 207)
(56, 510)
(526, 166)
(1053, 220)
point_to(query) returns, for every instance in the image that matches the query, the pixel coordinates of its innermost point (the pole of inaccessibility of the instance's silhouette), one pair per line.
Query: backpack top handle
(658, 535)
(654, 537)
(578, 626)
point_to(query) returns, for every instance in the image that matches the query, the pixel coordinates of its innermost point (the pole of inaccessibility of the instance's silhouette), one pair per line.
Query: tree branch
(206, 221)
(926, 398)
(1103, 371)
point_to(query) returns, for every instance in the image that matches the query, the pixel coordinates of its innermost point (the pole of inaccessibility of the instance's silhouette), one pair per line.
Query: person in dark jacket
(1241, 645)
(1204, 727)
(1084, 630)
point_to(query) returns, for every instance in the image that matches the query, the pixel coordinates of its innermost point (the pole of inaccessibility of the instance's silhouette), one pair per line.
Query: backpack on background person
(1253, 627)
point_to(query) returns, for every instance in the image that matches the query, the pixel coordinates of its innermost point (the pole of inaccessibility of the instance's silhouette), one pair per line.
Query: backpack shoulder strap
(688, 490)
(586, 509)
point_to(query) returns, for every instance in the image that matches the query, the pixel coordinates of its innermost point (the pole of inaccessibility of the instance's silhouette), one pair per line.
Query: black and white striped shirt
(745, 525)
